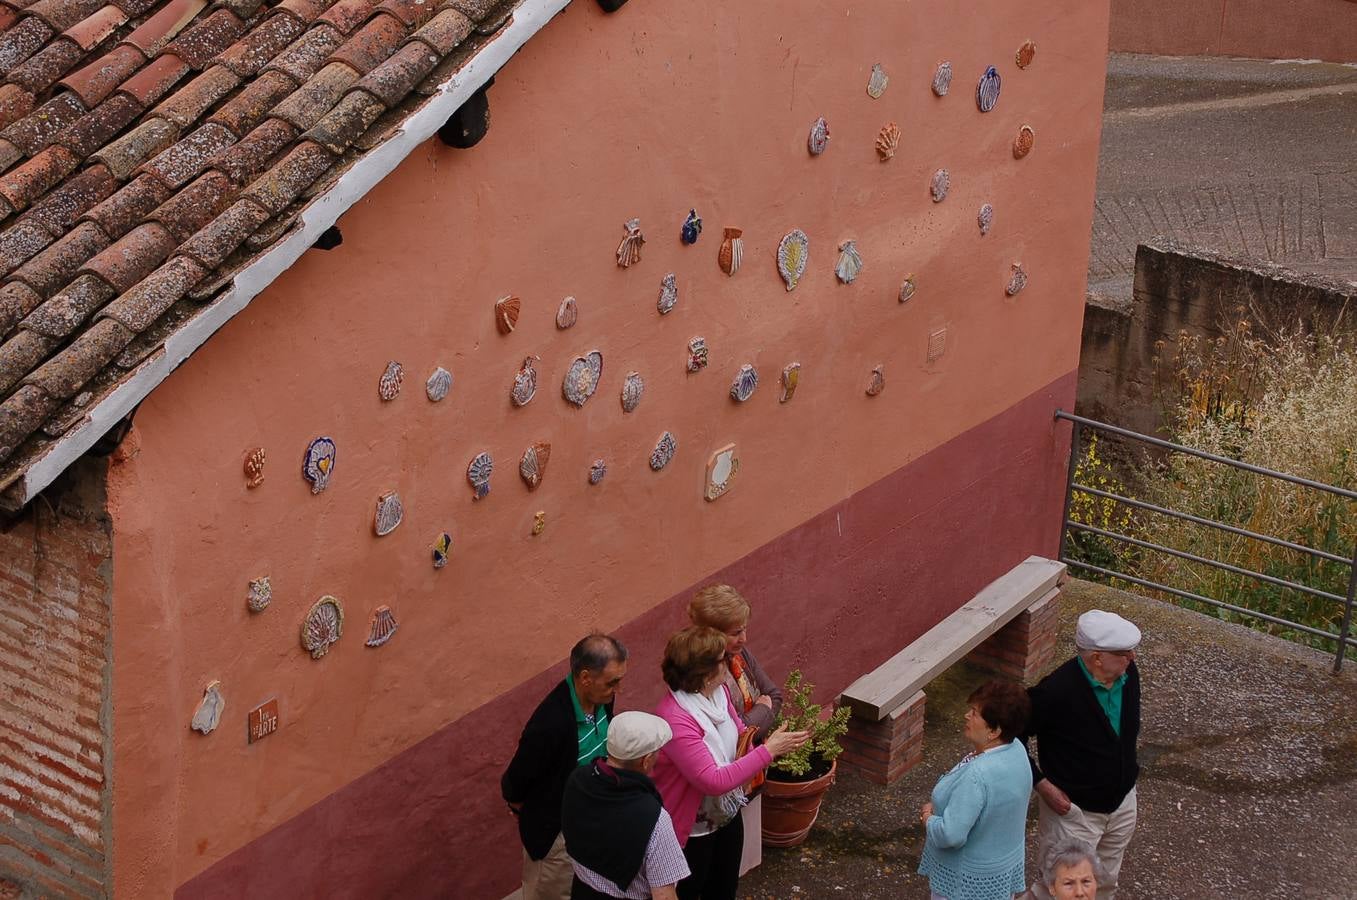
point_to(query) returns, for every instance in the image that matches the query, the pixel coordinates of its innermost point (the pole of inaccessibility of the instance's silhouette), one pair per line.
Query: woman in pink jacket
(699, 776)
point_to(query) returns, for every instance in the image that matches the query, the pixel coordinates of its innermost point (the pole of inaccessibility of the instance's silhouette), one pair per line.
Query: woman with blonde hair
(757, 697)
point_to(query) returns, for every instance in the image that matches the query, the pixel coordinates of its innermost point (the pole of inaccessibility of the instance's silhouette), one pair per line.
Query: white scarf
(719, 731)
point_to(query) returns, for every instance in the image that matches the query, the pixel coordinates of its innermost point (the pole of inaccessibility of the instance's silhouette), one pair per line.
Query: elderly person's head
(720, 606)
(996, 713)
(597, 665)
(635, 739)
(1106, 643)
(694, 660)
(1071, 870)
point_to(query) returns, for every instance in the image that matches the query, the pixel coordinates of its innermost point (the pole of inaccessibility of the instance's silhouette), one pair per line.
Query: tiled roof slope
(152, 149)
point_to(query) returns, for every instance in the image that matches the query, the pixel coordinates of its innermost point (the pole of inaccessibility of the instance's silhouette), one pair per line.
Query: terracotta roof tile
(252, 52)
(243, 9)
(47, 272)
(158, 30)
(475, 10)
(224, 234)
(17, 245)
(91, 31)
(450, 66)
(62, 14)
(304, 107)
(71, 412)
(21, 354)
(301, 60)
(22, 41)
(64, 374)
(304, 11)
(199, 44)
(242, 162)
(133, 257)
(132, 149)
(342, 125)
(23, 185)
(16, 301)
(143, 304)
(41, 70)
(182, 162)
(192, 100)
(280, 185)
(15, 103)
(134, 8)
(245, 110)
(119, 213)
(372, 43)
(7, 18)
(58, 211)
(154, 81)
(99, 126)
(9, 154)
(346, 15)
(97, 80)
(21, 415)
(412, 13)
(194, 206)
(59, 317)
(444, 32)
(32, 133)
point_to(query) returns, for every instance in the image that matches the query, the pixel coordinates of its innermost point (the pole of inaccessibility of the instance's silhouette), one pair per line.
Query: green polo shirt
(1109, 698)
(592, 731)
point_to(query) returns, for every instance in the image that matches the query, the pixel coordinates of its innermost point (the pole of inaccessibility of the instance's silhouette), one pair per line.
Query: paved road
(1248, 157)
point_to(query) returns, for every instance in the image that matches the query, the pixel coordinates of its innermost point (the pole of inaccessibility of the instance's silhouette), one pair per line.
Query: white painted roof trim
(529, 17)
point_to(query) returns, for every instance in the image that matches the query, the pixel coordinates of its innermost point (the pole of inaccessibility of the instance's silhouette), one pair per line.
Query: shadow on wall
(1301, 29)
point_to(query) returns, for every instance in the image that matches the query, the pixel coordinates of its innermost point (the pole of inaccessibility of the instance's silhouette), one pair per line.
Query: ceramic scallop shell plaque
(382, 628)
(849, 264)
(692, 227)
(722, 467)
(389, 385)
(323, 625)
(260, 595)
(581, 379)
(442, 549)
(746, 380)
(319, 464)
(507, 310)
(731, 253)
(818, 139)
(942, 79)
(792, 253)
(940, 185)
(254, 467)
(390, 513)
(987, 90)
(533, 465)
(208, 714)
(1017, 281)
(567, 314)
(876, 383)
(908, 288)
(629, 251)
(525, 383)
(697, 354)
(887, 141)
(478, 474)
(664, 451)
(791, 376)
(632, 388)
(1023, 143)
(876, 84)
(985, 218)
(597, 470)
(668, 294)
(438, 385)
(1025, 54)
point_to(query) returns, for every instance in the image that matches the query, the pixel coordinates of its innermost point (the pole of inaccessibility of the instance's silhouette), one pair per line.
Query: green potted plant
(798, 781)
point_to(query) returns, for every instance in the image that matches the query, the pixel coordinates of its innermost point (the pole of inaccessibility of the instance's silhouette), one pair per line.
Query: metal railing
(1342, 638)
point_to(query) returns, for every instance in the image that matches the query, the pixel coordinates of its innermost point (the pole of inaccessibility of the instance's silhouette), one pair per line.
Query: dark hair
(691, 656)
(595, 651)
(1003, 705)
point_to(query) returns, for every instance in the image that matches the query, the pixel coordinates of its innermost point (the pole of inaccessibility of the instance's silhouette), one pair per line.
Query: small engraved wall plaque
(263, 720)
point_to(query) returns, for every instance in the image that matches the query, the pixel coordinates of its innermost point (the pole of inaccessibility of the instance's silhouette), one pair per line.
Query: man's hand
(925, 813)
(1055, 798)
(765, 700)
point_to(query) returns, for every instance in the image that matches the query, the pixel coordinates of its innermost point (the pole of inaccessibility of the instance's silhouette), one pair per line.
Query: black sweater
(1076, 746)
(547, 754)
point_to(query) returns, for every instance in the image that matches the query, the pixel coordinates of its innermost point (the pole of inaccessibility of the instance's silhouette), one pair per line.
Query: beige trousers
(548, 878)
(1107, 833)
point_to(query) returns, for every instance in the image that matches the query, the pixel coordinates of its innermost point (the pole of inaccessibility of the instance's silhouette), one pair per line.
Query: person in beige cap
(620, 840)
(1086, 719)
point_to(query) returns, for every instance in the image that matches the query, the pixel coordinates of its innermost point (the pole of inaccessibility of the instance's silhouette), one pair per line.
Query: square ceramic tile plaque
(263, 720)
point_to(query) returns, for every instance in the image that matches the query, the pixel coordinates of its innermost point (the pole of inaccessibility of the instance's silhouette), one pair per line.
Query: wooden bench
(1009, 627)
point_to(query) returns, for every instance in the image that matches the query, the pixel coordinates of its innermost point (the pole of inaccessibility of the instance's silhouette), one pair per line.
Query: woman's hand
(925, 813)
(782, 741)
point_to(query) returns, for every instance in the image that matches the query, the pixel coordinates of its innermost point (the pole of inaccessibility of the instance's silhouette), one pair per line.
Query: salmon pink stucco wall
(647, 112)
(1259, 29)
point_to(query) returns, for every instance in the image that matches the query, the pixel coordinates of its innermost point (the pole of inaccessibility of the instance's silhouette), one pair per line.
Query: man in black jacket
(1086, 718)
(569, 728)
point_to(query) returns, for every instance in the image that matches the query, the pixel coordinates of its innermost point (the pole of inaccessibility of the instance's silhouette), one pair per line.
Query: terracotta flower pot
(790, 808)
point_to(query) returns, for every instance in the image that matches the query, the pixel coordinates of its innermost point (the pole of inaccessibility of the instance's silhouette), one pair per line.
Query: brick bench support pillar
(1024, 647)
(885, 750)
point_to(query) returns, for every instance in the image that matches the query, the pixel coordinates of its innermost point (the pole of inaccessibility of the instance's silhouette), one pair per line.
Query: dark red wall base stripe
(835, 596)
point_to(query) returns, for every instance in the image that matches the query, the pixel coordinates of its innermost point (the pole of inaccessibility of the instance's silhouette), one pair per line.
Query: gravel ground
(1248, 751)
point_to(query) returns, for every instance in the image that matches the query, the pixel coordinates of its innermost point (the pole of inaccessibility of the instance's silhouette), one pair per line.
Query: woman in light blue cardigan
(976, 822)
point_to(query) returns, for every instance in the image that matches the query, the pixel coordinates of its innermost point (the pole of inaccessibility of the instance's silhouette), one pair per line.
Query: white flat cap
(1098, 630)
(632, 735)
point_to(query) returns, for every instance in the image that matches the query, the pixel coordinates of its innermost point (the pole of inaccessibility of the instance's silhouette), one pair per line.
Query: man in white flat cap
(1086, 718)
(619, 837)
